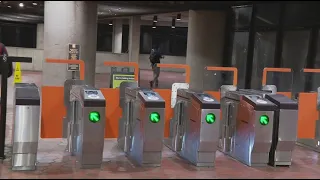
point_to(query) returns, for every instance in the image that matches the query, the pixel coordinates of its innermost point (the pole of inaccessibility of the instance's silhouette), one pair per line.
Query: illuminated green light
(94, 116)
(154, 117)
(264, 120)
(210, 118)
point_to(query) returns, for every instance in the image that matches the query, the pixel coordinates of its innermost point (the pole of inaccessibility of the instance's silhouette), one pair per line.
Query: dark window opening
(104, 37)
(171, 41)
(125, 38)
(18, 34)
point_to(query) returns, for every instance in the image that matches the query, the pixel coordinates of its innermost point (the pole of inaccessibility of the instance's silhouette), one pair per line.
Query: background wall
(38, 59)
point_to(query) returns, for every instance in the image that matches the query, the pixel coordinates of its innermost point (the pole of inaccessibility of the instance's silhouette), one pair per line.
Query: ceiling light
(155, 18)
(179, 16)
(9, 6)
(173, 24)
(110, 23)
(21, 4)
(34, 3)
(154, 25)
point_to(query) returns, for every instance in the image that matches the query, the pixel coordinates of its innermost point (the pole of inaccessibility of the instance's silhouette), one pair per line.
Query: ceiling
(168, 16)
(33, 11)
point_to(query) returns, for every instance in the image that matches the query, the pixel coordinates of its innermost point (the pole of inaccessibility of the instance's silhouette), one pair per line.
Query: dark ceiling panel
(11, 11)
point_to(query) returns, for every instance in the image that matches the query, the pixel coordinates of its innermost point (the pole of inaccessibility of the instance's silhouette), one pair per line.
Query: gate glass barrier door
(68, 123)
(194, 129)
(126, 106)
(25, 131)
(143, 126)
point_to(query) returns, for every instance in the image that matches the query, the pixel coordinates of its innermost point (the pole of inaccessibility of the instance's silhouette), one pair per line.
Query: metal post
(4, 89)
(251, 41)
(312, 54)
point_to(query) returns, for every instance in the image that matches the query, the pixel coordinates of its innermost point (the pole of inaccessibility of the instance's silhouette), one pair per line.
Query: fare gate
(87, 135)
(194, 129)
(143, 126)
(248, 127)
(262, 149)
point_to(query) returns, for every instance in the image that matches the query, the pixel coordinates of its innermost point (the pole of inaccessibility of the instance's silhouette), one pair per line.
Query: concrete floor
(54, 162)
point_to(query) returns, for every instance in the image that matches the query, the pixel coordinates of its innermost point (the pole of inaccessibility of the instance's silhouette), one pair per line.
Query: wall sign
(73, 54)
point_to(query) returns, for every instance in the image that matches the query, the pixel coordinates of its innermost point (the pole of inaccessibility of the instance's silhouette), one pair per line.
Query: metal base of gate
(313, 144)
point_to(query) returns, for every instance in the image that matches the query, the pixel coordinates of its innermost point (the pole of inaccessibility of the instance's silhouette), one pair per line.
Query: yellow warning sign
(17, 73)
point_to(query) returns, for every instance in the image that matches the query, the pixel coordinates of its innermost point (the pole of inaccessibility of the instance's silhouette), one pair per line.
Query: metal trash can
(25, 131)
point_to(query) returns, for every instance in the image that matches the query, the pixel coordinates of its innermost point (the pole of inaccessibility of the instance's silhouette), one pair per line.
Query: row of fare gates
(255, 127)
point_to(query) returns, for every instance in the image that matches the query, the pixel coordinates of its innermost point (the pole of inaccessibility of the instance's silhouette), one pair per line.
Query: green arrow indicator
(154, 117)
(264, 120)
(94, 116)
(210, 118)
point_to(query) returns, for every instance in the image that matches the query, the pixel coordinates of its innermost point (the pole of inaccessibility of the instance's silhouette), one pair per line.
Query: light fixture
(179, 16)
(9, 6)
(154, 25)
(110, 23)
(173, 24)
(21, 4)
(155, 18)
(34, 3)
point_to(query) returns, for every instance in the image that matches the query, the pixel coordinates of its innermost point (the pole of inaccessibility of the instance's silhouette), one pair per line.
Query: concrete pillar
(134, 38)
(117, 36)
(74, 22)
(40, 36)
(205, 45)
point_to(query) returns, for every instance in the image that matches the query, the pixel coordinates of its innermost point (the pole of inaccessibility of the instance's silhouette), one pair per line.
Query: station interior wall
(37, 55)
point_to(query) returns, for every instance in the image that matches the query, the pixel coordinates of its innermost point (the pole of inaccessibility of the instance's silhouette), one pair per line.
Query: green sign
(210, 118)
(264, 120)
(117, 79)
(154, 117)
(94, 116)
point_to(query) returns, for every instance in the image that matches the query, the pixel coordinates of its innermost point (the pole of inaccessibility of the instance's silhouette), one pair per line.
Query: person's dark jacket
(155, 56)
(3, 51)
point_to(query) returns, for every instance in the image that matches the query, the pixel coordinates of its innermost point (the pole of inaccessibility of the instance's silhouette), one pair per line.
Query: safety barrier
(53, 109)
(217, 94)
(308, 113)
(112, 95)
(281, 70)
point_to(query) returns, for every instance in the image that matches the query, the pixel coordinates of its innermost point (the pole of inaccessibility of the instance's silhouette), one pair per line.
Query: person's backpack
(10, 67)
(154, 56)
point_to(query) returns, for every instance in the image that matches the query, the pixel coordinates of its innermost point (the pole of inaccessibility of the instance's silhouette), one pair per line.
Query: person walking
(155, 57)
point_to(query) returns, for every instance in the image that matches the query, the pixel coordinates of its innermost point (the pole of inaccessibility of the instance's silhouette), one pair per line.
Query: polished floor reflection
(54, 162)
